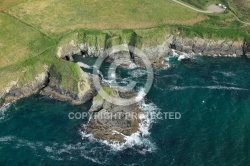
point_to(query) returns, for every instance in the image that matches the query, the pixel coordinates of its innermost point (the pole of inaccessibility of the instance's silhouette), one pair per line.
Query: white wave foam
(167, 59)
(55, 150)
(138, 73)
(132, 66)
(175, 53)
(113, 75)
(141, 95)
(3, 110)
(92, 159)
(184, 56)
(166, 66)
(20, 142)
(138, 139)
(227, 74)
(207, 87)
(83, 65)
(6, 138)
(48, 149)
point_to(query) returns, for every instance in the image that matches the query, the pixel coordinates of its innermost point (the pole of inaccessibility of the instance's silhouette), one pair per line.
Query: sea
(212, 95)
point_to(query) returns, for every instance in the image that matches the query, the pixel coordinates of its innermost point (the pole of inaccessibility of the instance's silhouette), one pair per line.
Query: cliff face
(99, 46)
(207, 47)
(14, 91)
(50, 86)
(86, 90)
(246, 49)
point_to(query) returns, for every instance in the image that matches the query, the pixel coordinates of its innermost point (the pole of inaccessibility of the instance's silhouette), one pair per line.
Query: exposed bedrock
(208, 47)
(103, 45)
(86, 90)
(112, 122)
(50, 86)
(14, 91)
(246, 49)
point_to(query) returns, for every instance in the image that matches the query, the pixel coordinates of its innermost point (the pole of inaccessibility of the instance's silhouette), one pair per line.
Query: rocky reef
(112, 122)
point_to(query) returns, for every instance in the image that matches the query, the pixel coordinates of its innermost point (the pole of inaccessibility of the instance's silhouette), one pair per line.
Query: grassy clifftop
(240, 7)
(31, 30)
(57, 16)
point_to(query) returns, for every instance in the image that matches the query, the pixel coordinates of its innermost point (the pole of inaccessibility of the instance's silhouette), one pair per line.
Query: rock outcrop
(49, 86)
(112, 122)
(102, 47)
(207, 47)
(86, 90)
(14, 91)
(246, 49)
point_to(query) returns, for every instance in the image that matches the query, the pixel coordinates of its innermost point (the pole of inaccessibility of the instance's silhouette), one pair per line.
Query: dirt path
(211, 9)
(193, 8)
(215, 9)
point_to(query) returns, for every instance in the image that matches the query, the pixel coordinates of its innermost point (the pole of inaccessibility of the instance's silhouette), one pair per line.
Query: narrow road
(243, 22)
(208, 12)
(193, 8)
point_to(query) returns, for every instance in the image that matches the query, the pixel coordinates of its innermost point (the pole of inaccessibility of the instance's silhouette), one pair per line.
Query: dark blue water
(212, 94)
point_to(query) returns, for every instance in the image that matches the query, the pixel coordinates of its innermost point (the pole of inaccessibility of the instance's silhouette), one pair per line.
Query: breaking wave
(207, 87)
(3, 109)
(140, 140)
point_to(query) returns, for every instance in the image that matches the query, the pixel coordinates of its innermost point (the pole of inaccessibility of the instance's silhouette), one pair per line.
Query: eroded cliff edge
(99, 45)
(48, 84)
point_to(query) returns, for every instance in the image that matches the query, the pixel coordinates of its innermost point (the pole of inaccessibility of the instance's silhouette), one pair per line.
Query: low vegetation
(241, 9)
(57, 16)
(31, 30)
(105, 90)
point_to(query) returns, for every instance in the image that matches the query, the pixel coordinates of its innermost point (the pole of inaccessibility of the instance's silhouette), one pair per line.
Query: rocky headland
(112, 122)
(50, 86)
(171, 44)
(103, 45)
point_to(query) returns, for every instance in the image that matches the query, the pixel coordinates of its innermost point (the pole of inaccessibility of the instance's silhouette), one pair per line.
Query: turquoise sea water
(212, 94)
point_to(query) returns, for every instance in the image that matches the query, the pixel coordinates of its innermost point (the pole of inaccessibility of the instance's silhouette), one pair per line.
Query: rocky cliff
(100, 45)
(119, 123)
(14, 91)
(86, 90)
(208, 47)
(50, 86)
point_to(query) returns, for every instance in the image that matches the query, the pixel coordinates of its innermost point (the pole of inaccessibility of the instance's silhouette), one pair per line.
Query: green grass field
(240, 7)
(32, 29)
(57, 16)
(198, 3)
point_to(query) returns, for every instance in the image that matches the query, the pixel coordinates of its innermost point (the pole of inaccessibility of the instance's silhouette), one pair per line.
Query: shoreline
(178, 47)
(173, 45)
